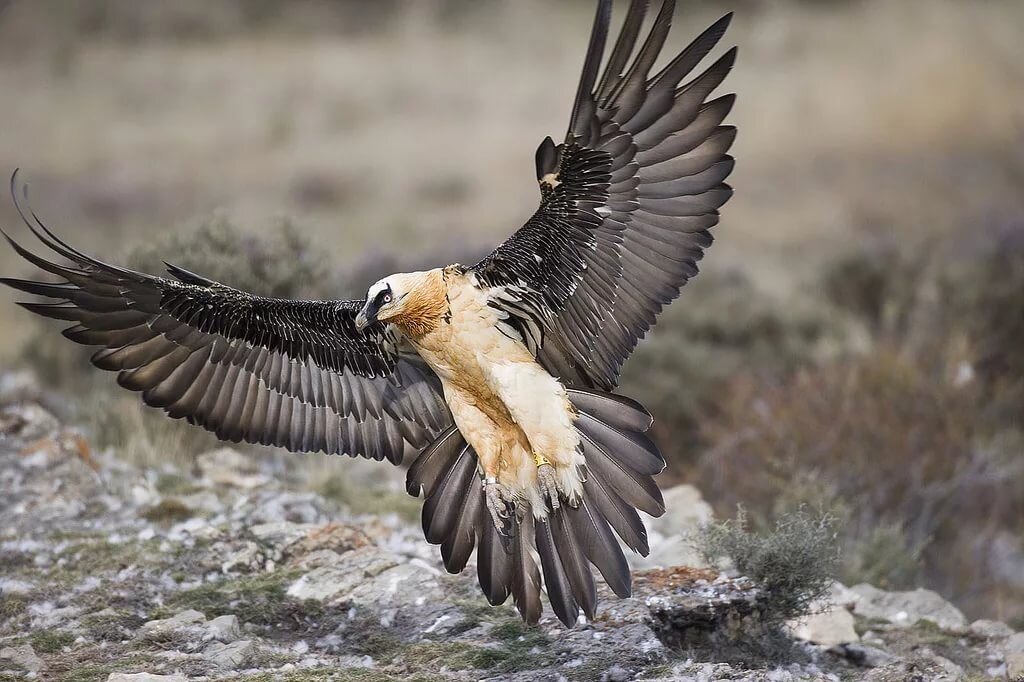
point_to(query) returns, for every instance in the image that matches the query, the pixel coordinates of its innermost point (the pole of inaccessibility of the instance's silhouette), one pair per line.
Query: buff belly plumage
(509, 408)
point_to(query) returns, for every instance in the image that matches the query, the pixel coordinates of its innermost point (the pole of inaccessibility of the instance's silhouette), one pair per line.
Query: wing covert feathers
(627, 201)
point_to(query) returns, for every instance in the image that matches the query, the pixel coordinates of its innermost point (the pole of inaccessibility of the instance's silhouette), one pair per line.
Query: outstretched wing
(627, 202)
(297, 374)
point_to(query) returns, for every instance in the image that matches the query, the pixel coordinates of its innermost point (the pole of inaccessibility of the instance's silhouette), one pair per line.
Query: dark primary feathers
(292, 373)
(627, 201)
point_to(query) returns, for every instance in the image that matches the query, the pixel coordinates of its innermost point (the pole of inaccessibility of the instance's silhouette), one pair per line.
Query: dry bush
(722, 326)
(896, 450)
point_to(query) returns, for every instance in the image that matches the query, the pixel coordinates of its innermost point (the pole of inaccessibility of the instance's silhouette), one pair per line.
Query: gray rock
(178, 621)
(1013, 654)
(826, 628)
(223, 629)
(145, 677)
(248, 559)
(350, 571)
(830, 622)
(990, 629)
(230, 656)
(22, 655)
(864, 656)
(907, 608)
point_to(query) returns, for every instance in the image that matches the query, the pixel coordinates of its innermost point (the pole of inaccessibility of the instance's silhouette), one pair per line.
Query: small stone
(246, 560)
(145, 677)
(176, 622)
(990, 629)
(22, 655)
(230, 656)
(907, 608)
(1013, 652)
(616, 673)
(864, 656)
(223, 629)
(827, 628)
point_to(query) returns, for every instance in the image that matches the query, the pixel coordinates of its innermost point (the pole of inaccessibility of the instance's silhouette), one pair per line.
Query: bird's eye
(387, 298)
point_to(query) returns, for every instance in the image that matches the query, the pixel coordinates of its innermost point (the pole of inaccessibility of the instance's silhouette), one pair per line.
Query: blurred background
(855, 342)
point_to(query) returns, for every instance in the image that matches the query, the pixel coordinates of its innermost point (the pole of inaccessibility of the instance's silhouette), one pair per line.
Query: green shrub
(794, 564)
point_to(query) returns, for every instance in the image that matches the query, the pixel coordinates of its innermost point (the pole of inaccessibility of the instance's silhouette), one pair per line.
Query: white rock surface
(145, 677)
(906, 608)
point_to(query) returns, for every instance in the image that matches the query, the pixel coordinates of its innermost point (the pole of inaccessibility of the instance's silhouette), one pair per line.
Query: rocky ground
(230, 571)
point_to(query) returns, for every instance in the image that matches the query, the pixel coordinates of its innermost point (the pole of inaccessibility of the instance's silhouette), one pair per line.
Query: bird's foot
(499, 500)
(548, 482)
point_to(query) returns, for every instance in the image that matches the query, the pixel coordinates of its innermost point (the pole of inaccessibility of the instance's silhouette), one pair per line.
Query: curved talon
(548, 483)
(498, 499)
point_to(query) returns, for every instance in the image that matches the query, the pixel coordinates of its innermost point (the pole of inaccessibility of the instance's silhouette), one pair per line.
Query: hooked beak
(366, 316)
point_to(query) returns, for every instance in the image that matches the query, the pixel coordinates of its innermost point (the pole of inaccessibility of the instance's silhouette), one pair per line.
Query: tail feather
(637, 489)
(618, 410)
(525, 575)
(621, 516)
(577, 568)
(432, 464)
(560, 589)
(633, 450)
(458, 546)
(493, 565)
(441, 510)
(619, 461)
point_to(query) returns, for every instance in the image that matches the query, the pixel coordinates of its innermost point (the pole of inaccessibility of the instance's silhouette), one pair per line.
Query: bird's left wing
(626, 202)
(297, 374)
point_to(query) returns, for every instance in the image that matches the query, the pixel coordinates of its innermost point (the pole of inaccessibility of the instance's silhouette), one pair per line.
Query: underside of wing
(627, 201)
(297, 374)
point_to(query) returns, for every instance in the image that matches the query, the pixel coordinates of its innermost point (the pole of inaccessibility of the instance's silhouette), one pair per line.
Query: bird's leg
(498, 499)
(547, 480)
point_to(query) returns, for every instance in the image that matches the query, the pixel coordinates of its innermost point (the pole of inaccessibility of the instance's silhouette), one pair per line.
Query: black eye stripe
(384, 294)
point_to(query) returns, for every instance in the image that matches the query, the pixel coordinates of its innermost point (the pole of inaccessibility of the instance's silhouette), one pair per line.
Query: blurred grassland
(854, 341)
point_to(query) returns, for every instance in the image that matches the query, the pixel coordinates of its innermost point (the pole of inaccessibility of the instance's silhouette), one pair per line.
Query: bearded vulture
(499, 377)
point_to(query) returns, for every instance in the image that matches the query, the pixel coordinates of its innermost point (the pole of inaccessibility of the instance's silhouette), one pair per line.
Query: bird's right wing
(297, 374)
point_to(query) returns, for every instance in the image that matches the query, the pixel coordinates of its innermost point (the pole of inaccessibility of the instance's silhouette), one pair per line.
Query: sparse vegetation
(794, 564)
(50, 641)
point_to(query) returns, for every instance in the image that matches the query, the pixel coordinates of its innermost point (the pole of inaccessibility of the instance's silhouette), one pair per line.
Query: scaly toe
(547, 481)
(497, 498)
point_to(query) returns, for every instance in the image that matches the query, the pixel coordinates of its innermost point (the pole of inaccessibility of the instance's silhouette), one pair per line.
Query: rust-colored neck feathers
(424, 305)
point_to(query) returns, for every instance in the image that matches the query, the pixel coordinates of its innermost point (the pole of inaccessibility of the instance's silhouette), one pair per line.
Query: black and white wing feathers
(627, 201)
(297, 374)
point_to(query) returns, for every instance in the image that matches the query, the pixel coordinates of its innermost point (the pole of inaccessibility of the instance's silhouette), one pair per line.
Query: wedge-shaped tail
(620, 464)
